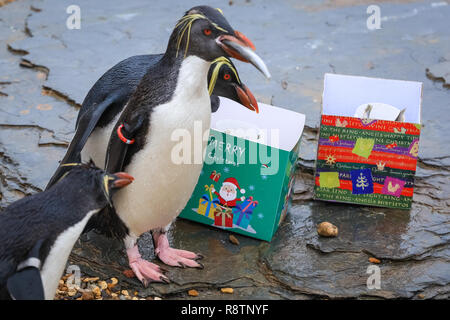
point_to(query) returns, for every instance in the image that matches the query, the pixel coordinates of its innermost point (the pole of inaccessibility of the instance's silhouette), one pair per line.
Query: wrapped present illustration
(215, 176)
(207, 205)
(223, 217)
(243, 212)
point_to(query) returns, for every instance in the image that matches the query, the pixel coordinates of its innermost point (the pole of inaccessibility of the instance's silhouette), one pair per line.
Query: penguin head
(204, 32)
(96, 182)
(223, 80)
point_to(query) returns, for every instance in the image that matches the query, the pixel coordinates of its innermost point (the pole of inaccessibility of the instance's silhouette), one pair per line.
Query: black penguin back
(123, 77)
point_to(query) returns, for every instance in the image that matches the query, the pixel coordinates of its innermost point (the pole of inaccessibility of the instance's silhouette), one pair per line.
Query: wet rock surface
(47, 70)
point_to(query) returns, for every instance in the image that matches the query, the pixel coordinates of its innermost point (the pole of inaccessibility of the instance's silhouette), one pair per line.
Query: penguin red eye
(207, 32)
(226, 76)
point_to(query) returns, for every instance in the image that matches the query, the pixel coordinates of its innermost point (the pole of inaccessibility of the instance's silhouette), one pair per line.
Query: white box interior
(342, 95)
(235, 119)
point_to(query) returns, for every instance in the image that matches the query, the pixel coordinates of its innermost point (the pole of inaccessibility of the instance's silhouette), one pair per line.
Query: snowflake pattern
(226, 169)
(331, 159)
(260, 216)
(251, 187)
(264, 177)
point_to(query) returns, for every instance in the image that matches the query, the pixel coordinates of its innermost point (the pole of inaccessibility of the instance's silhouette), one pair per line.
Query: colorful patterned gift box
(365, 156)
(249, 155)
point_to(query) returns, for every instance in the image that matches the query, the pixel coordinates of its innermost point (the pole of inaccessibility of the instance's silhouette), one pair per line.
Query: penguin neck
(191, 74)
(192, 78)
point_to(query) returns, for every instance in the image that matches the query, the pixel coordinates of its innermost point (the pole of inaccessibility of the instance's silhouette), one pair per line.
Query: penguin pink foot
(144, 270)
(174, 257)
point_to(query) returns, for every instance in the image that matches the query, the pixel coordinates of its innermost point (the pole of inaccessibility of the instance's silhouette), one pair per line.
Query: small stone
(128, 273)
(114, 295)
(91, 279)
(234, 240)
(61, 282)
(157, 298)
(284, 84)
(135, 298)
(125, 292)
(97, 292)
(87, 295)
(374, 260)
(114, 281)
(193, 293)
(103, 285)
(227, 290)
(71, 292)
(326, 229)
(421, 296)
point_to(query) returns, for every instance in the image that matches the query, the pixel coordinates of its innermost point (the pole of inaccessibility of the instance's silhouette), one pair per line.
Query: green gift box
(251, 155)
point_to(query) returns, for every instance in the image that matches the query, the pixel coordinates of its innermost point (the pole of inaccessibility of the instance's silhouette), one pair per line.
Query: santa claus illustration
(228, 193)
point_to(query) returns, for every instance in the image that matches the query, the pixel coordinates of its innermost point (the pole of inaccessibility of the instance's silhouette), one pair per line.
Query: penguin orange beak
(123, 179)
(241, 48)
(247, 98)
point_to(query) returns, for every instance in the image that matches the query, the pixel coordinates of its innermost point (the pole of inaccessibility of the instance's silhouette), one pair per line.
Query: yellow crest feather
(185, 24)
(215, 73)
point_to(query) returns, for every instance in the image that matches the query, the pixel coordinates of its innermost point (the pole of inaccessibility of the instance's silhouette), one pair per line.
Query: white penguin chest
(55, 262)
(162, 184)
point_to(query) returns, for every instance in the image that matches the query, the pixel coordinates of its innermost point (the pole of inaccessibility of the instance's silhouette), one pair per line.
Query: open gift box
(248, 169)
(368, 141)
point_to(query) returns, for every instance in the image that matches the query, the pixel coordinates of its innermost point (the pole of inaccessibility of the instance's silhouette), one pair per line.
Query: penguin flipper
(26, 282)
(85, 126)
(117, 148)
(107, 221)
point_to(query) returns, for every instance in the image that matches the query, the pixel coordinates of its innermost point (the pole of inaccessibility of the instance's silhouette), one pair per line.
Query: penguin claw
(200, 265)
(199, 257)
(182, 265)
(164, 279)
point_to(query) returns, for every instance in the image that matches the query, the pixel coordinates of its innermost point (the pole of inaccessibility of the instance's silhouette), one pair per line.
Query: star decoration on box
(331, 159)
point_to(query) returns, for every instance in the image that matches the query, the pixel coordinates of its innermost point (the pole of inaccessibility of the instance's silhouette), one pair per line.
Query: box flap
(349, 95)
(234, 119)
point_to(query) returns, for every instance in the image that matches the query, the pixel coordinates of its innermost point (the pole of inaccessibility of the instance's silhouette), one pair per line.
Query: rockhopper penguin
(172, 95)
(109, 95)
(38, 232)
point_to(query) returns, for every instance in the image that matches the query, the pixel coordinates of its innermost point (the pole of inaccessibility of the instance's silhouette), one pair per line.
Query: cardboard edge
(301, 122)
